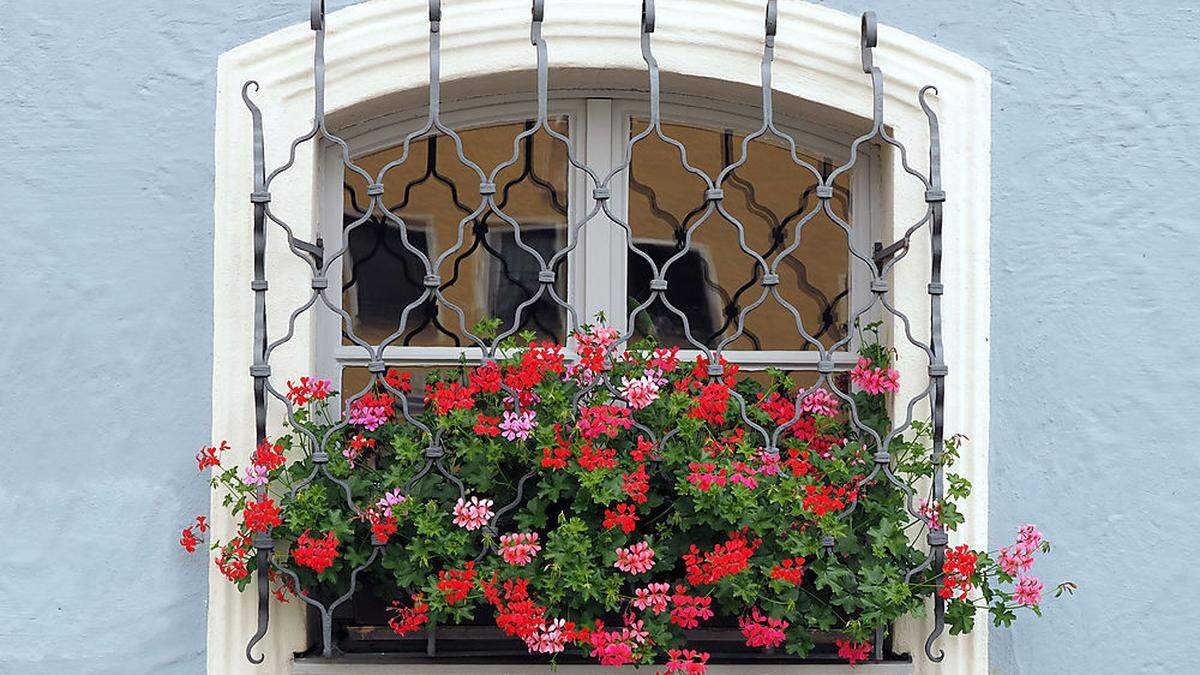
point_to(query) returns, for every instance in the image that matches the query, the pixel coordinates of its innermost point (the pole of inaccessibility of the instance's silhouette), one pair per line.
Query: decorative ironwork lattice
(376, 213)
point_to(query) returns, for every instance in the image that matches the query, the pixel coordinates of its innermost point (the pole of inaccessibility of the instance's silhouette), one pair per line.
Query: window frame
(599, 123)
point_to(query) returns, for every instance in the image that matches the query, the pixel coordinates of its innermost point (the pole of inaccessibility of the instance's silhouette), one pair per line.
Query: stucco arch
(377, 62)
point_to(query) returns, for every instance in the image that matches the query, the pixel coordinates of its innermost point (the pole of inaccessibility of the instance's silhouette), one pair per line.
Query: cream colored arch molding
(376, 55)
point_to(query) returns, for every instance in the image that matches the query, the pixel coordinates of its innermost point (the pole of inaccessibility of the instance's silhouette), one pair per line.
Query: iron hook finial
(317, 15)
(435, 11)
(869, 40)
(539, 13)
(647, 16)
(772, 17)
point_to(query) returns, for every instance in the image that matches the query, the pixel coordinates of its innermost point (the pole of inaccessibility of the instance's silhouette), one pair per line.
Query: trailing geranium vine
(623, 539)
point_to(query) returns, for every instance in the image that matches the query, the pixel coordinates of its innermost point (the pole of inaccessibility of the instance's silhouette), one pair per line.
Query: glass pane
(714, 279)
(490, 274)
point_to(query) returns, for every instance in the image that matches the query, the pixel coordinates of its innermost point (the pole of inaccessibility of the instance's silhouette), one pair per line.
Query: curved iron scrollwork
(786, 234)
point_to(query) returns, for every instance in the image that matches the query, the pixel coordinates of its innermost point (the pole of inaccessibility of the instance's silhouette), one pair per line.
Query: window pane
(714, 279)
(490, 274)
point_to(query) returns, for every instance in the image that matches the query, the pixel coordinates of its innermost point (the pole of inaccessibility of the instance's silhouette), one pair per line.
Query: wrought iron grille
(372, 210)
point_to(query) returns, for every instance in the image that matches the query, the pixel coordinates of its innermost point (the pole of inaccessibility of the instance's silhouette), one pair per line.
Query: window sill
(368, 664)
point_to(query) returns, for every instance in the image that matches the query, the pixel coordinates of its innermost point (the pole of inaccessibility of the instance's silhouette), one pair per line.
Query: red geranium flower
(210, 456)
(853, 652)
(486, 426)
(625, 516)
(689, 610)
(268, 455)
(448, 396)
(261, 516)
(636, 484)
(725, 559)
(486, 378)
(790, 570)
(316, 554)
(409, 619)
(456, 585)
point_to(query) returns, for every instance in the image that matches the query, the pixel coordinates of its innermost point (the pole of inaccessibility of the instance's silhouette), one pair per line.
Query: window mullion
(603, 240)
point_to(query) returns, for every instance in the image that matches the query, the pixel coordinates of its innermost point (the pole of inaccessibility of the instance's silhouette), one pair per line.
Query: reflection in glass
(715, 279)
(488, 275)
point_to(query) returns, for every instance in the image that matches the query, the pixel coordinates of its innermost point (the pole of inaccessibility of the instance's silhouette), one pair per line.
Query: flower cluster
(544, 491)
(519, 549)
(874, 379)
(725, 559)
(763, 631)
(316, 554)
(1016, 560)
(309, 390)
(473, 514)
(636, 559)
(958, 571)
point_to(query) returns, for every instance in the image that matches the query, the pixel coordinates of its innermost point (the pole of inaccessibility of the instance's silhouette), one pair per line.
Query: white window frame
(600, 124)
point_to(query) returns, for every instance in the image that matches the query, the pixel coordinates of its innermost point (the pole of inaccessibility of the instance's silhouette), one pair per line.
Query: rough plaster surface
(106, 186)
(107, 189)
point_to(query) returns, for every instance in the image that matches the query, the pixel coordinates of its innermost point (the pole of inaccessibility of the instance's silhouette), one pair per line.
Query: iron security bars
(319, 257)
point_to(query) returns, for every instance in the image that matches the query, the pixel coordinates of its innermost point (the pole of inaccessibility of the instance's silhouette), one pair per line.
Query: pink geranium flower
(1014, 560)
(636, 559)
(874, 380)
(819, 402)
(1028, 539)
(653, 597)
(519, 549)
(518, 425)
(640, 391)
(389, 500)
(686, 662)
(1028, 591)
(549, 638)
(762, 631)
(256, 475)
(474, 514)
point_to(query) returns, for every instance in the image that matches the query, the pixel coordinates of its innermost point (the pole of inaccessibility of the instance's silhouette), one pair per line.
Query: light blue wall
(106, 112)
(106, 192)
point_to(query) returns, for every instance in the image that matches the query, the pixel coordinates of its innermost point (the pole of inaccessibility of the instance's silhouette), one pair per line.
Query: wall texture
(107, 189)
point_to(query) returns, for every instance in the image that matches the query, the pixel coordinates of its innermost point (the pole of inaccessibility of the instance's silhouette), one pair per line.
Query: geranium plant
(610, 502)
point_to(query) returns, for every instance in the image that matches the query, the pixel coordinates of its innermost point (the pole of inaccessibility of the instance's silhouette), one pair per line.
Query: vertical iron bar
(259, 370)
(936, 197)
